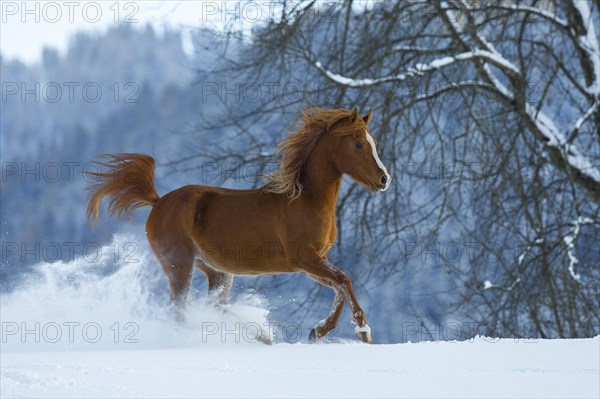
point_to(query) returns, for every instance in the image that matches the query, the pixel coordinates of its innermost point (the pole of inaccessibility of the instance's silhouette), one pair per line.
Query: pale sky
(26, 28)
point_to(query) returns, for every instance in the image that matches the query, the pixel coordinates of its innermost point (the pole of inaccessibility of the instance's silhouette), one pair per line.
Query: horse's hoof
(363, 336)
(312, 337)
(265, 340)
(363, 333)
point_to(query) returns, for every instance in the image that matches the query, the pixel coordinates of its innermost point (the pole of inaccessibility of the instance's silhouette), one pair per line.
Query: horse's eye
(358, 146)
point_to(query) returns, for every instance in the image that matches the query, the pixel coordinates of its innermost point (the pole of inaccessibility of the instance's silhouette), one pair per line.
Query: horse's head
(356, 152)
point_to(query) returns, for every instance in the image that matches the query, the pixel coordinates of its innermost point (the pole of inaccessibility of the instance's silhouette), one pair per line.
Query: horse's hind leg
(219, 283)
(177, 263)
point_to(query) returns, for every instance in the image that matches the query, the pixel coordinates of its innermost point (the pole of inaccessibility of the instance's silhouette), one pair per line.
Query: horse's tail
(128, 183)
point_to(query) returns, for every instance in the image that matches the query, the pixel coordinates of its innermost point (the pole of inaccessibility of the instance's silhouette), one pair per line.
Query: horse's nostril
(384, 179)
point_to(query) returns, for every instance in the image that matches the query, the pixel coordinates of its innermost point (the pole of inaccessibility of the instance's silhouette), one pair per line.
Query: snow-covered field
(98, 327)
(478, 369)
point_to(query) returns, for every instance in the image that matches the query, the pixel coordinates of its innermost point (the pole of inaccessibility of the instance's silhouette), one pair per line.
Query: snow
(556, 139)
(589, 43)
(586, 116)
(570, 243)
(489, 56)
(410, 48)
(522, 256)
(344, 80)
(487, 284)
(475, 6)
(534, 10)
(98, 327)
(545, 125)
(479, 368)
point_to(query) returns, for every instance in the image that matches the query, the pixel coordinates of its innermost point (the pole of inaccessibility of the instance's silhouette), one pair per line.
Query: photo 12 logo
(72, 12)
(456, 332)
(47, 172)
(68, 251)
(69, 92)
(71, 332)
(261, 92)
(253, 12)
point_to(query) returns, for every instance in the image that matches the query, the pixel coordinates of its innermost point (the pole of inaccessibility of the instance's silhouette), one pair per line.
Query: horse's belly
(245, 257)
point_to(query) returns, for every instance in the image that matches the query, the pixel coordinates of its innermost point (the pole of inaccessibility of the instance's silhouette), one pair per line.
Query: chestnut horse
(286, 226)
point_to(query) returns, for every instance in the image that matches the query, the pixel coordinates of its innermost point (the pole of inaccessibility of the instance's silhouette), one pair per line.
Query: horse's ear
(368, 116)
(354, 115)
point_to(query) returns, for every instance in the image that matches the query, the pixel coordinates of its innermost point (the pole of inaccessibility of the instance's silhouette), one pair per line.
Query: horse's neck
(321, 180)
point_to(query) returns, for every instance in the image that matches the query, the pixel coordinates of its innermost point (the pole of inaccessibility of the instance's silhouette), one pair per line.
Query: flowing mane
(296, 148)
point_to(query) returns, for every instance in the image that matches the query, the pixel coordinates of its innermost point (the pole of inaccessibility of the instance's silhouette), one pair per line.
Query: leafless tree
(488, 114)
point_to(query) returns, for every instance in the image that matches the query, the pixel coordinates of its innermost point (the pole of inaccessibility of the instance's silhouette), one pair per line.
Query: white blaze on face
(379, 163)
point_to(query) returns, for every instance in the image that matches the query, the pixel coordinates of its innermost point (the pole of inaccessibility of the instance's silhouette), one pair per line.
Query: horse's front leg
(325, 326)
(334, 277)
